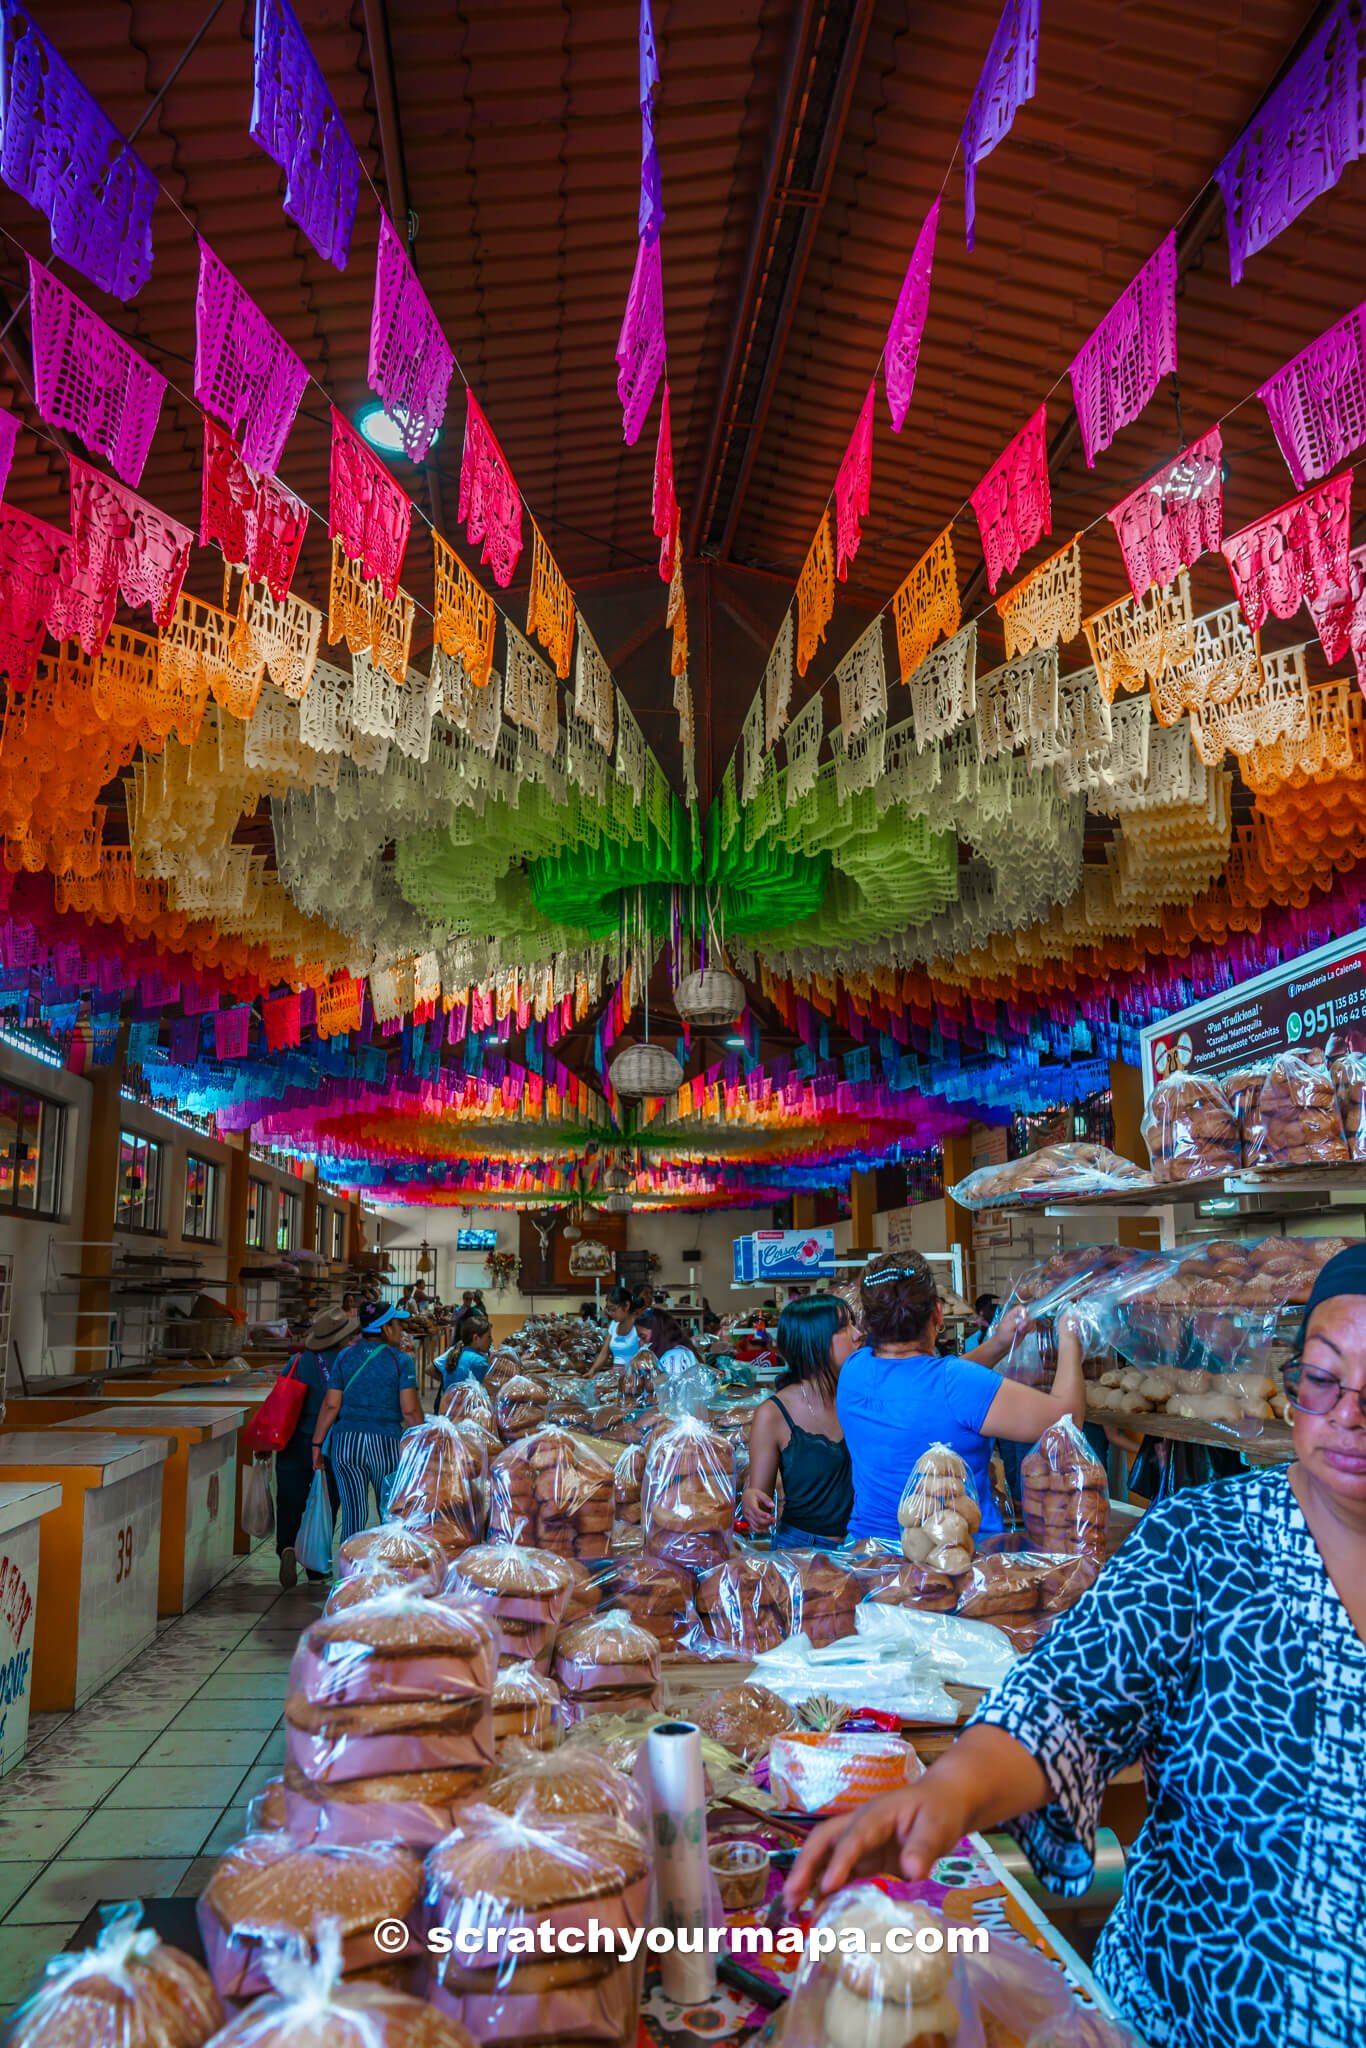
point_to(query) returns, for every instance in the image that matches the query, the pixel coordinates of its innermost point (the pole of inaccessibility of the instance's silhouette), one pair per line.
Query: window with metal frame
(142, 1163)
(32, 1145)
(201, 1200)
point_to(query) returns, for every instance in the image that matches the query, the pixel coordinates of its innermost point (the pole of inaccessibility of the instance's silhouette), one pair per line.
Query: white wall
(36, 1247)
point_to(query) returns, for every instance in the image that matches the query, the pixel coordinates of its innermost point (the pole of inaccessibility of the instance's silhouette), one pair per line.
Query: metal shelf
(1272, 1445)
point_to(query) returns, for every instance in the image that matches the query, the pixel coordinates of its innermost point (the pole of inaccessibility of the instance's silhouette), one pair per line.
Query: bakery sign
(1303, 1003)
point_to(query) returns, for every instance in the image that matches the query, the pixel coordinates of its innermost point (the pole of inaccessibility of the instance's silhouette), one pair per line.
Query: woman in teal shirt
(468, 1357)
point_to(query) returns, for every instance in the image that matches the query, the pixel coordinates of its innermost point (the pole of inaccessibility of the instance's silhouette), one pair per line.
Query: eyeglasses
(1317, 1393)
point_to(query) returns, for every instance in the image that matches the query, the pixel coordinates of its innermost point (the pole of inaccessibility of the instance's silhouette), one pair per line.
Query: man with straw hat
(324, 1337)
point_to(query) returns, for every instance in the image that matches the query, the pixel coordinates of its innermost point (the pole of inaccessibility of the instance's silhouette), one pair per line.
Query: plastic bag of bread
(499, 1871)
(1063, 1287)
(606, 1665)
(519, 1406)
(469, 1400)
(1005, 1585)
(1064, 1492)
(656, 1594)
(745, 1718)
(939, 1512)
(312, 2005)
(627, 1475)
(1191, 1129)
(503, 1366)
(826, 1772)
(1297, 1121)
(907, 1991)
(1349, 1083)
(440, 1484)
(1053, 1173)
(750, 1603)
(526, 1591)
(368, 1585)
(554, 1490)
(831, 1590)
(397, 1549)
(687, 1496)
(129, 1991)
(271, 1890)
(526, 1707)
(562, 1784)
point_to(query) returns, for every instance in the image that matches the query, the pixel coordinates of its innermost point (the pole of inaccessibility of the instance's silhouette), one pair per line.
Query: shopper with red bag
(323, 1339)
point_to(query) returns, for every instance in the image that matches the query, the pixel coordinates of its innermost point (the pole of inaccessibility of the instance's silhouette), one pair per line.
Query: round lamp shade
(711, 996)
(645, 1070)
(619, 1204)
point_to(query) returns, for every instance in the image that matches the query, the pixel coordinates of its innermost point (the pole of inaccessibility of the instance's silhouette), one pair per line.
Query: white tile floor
(131, 1795)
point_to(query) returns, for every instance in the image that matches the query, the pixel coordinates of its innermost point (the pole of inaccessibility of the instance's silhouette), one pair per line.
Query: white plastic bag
(313, 1544)
(865, 1671)
(258, 1512)
(958, 1652)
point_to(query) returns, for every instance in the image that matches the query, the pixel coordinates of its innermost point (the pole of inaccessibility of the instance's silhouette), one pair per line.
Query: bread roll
(270, 1889)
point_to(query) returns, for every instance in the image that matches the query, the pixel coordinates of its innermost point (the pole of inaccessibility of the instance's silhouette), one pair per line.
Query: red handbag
(277, 1418)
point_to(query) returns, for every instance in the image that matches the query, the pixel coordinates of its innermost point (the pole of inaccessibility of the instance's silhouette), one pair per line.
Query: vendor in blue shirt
(897, 1396)
(372, 1398)
(468, 1357)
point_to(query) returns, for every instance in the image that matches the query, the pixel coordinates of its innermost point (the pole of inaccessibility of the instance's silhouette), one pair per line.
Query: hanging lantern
(424, 1259)
(710, 996)
(645, 1070)
(619, 1203)
(617, 1178)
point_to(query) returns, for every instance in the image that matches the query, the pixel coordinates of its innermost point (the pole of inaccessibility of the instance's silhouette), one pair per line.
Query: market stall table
(22, 1507)
(97, 1554)
(248, 1393)
(198, 1489)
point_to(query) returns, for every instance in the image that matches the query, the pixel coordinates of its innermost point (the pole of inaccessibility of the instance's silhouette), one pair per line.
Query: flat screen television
(476, 1240)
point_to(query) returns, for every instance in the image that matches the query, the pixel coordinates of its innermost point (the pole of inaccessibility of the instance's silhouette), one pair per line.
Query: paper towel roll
(678, 1817)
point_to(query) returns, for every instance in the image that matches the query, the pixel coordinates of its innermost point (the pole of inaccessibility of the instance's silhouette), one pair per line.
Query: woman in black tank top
(795, 1437)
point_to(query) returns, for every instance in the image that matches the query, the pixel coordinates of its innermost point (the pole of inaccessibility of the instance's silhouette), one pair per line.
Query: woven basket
(711, 996)
(645, 1070)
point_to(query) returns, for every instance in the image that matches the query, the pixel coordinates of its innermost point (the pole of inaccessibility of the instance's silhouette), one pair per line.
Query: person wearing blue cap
(1224, 1649)
(372, 1398)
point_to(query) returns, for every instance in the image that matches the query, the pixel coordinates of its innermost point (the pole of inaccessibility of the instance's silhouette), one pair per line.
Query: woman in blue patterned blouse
(1224, 1649)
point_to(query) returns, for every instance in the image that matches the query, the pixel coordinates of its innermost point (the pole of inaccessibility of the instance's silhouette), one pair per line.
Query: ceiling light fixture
(384, 433)
(736, 1041)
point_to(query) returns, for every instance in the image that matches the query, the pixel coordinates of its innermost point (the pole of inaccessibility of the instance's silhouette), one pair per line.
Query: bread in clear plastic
(1065, 1493)
(526, 1707)
(1296, 1121)
(397, 1548)
(939, 1512)
(526, 1591)
(554, 1490)
(1008, 1584)
(745, 1718)
(563, 1784)
(310, 2004)
(871, 1997)
(607, 1664)
(1191, 1129)
(368, 1585)
(500, 1871)
(1349, 1082)
(749, 1604)
(656, 1594)
(270, 1889)
(504, 1365)
(687, 1497)
(519, 1406)
(440, 1484)
(627, 1476)
(469, 1400)
(130, 1989)
(1053, 1173)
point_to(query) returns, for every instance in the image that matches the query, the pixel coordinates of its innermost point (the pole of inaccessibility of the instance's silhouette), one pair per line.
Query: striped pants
(361, 1460)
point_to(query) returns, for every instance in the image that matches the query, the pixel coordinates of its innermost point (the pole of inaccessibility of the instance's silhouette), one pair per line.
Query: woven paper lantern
(645, 1070)
(711, 996)
(619, 1204)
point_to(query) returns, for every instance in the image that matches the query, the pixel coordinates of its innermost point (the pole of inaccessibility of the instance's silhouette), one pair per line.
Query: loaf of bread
(749, 1604)
(745, 1718)
(830, 1595)
(519, 1406)
(939, 1513)
(555, 1491)
(395, 1548)
(347, 2014)
(440, 1485)
(1296, 1120)
(129, 1991)
(526, 1707)
(606, 1665)
(562, 1784)
(657, 1595)
(525, 1590)
(627, 1475)
(878, 1993)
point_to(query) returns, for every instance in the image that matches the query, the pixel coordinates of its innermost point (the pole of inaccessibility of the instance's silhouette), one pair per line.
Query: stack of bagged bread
(1064, 1493)
(316, 2007)
(519, 1406)
(526, 1707)
(469, 1401)
(627, 1475)
(1292, 1118)
(561, 1784)
(388, 1720)
(525, 1590)
(398, 1550)
(1007, 1585)
(1191, 1129)
(553, 1490)
(830, 1595)
(687, 1496)
(131, 1990)
(607, 1664)
(537, 1878)
(271, 1890)
(749, 1604)
(656, 1594)
(939, 1516)
(439, 1485)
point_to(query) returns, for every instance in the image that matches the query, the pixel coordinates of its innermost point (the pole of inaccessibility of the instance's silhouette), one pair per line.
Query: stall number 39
(125, 1545)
